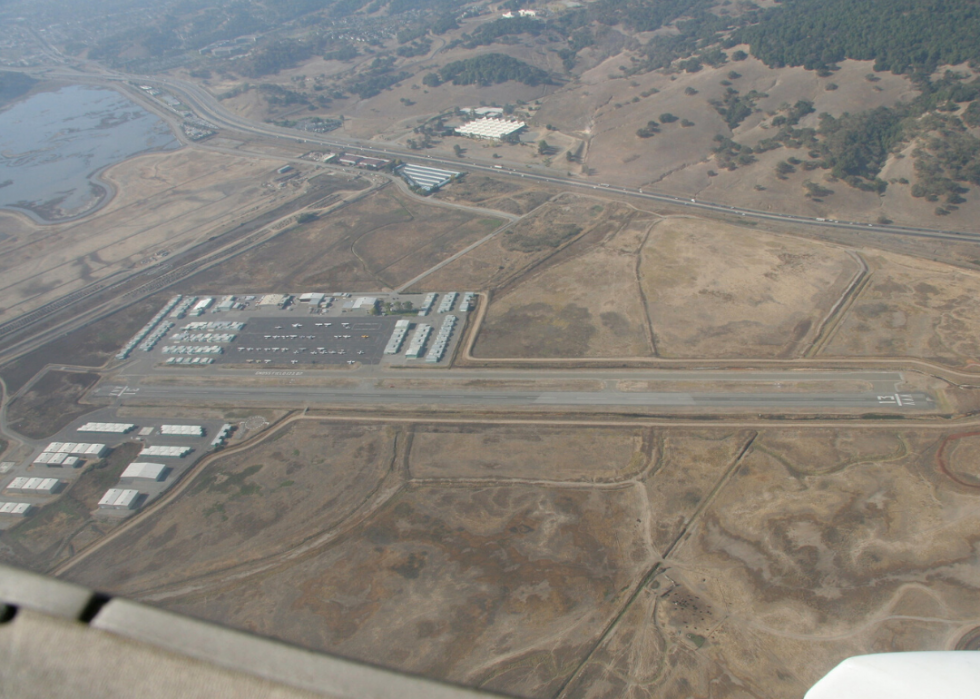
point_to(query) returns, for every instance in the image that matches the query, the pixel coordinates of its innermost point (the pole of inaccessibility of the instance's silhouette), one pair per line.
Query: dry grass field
(587, 455)
(50, 403)
(379, 242)
(822, 545)
(913, 308)
(719, 291)
(678, 288)
(164, 203)
(551, 232)
(502, 194)
(588, 562)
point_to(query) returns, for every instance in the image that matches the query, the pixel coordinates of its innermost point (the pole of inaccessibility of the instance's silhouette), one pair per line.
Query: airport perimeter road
(370, 394)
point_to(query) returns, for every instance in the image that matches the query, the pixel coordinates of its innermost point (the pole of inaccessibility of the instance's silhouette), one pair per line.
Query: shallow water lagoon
(54, 144)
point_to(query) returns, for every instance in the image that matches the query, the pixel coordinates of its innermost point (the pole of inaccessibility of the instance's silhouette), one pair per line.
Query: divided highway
(207, 107)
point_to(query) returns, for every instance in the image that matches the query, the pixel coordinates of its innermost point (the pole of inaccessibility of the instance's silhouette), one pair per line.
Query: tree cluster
(492, 68)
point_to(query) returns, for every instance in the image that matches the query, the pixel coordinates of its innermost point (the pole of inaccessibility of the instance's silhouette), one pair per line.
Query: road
(207, 107)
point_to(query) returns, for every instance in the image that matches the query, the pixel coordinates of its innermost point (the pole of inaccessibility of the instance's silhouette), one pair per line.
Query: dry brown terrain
(680, 288)
(165, 202)
(550, 232)
(50, 403)
(574, 561)
(913, 308)
(379, 242)
(92, 345)
(502, 194)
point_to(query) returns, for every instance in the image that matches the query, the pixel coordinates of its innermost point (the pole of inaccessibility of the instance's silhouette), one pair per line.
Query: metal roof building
(15, 508)
(490, 128)
(426, 178)
(419, 339)
(175, 452)
(183, 430)
(34, 486)
(116, 499)
(113, 427)
(145, 470)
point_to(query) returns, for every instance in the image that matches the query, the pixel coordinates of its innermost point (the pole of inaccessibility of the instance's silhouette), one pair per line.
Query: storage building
(118, 499)
(113, 427)
(171, 452)
(183, 430)
(34, 486)
(146, 471)
(20, 509)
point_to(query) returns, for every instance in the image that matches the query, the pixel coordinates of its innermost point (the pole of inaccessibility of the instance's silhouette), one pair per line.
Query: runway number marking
(899, 400)
(120, 391)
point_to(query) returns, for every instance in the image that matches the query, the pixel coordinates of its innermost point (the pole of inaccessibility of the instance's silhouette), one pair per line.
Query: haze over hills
(865, 110)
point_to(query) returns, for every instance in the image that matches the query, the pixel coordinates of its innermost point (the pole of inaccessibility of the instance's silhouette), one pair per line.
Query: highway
(207, 107)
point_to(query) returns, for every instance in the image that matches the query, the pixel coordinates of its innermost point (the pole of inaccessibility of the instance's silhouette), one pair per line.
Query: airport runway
(373, 395)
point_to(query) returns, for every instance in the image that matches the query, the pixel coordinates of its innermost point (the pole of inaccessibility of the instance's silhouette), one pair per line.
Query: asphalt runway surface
(373, 395)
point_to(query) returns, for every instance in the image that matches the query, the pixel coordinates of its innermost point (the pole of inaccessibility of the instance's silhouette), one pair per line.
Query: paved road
(207, 106)
(371, 394)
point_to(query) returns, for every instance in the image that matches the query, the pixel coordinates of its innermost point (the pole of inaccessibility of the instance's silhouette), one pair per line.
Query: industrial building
(116, 499)
(428, 179)
(146, 471)
(183, 430)
(110, 427)
(312, 298)
(202, 305)
(21, 509)
(490, 128)
(360, 161)
(394, 345)
(363, 303)
(279, 300)
(171, 452)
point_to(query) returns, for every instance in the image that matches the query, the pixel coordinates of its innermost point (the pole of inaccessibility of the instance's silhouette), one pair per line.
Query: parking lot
(291, 340)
